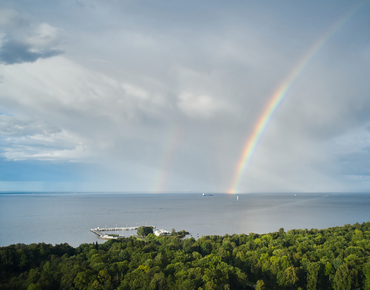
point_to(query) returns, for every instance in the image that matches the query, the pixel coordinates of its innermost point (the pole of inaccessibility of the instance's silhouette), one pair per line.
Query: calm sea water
(67, 217)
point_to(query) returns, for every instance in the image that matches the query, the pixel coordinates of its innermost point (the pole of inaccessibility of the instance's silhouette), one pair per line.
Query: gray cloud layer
(164, 96)
(13, 52)
(23, 41)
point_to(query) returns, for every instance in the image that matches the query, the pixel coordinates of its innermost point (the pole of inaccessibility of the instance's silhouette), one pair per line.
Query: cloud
(13, 52)
(201, 106)
(10, 19)
(37, 140)
(22, 152)
(11, 126)
(132, 71)
(22, 41)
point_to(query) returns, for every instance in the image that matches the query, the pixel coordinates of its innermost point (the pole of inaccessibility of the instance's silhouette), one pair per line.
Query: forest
(333, 258)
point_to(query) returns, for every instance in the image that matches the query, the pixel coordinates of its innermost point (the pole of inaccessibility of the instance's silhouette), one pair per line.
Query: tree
(34, 287)
(260, 285)
(342, 279)
(288, 277)
(144, 231)
(281, 232)
(140, 231)
(366, 271)
(158, 282)
(82, 279)
(313, 271)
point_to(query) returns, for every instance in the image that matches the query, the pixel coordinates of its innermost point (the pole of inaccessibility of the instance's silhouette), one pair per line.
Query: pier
(104, 237)
(98, 231)
(118, 229)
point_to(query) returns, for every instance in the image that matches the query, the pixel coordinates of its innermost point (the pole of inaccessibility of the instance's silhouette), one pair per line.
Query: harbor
(119, 229)
(100, 232)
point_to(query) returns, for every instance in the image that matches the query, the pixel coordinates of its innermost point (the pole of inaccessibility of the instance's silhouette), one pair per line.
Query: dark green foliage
(335, 258)
(179, 234)
(144, 231)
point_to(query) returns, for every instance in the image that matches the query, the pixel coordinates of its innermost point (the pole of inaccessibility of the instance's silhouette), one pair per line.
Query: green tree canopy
(334, 258)
(144, 231)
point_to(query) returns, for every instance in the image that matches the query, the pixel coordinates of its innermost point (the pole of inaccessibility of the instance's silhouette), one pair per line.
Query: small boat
(204, 194)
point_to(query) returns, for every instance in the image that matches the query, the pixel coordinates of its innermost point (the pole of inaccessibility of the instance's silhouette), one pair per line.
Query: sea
(56, 218)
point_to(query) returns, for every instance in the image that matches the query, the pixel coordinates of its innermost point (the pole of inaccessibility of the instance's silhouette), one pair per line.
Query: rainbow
(278, 96)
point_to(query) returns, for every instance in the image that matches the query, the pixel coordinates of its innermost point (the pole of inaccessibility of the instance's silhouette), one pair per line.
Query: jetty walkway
(118, 229)
(98, 231)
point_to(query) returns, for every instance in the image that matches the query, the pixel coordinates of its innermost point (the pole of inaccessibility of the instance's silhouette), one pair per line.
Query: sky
(162, 96)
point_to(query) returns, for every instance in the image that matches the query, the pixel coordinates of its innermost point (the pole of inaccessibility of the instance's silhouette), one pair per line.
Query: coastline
(67, 218)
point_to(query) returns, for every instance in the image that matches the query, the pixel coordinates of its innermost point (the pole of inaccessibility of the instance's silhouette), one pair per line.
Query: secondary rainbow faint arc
(171, 143)
(278, 96)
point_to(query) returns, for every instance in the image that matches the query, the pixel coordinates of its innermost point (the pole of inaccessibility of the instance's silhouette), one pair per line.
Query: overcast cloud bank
(163, 96)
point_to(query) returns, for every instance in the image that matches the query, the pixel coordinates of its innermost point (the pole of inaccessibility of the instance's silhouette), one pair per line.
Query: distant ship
(207, 194)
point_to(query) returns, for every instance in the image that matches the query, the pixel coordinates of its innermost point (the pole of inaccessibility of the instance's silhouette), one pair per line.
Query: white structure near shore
(99, 231)
(161, 232)
(107, 237)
